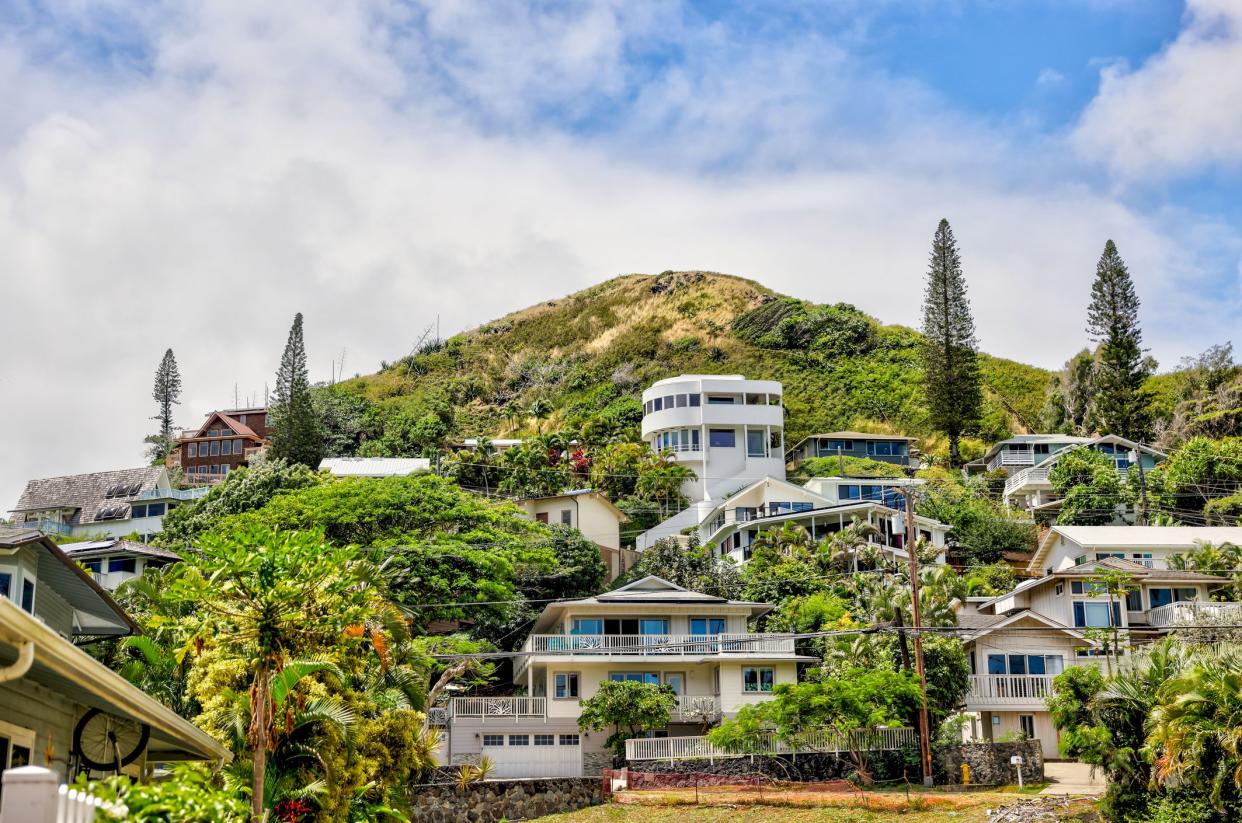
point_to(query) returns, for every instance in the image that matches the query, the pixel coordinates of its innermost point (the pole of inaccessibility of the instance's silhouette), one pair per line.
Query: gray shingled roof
(116, 545)
(87, 493)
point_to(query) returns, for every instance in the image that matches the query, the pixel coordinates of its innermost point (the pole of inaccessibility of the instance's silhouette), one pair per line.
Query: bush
(191, 794)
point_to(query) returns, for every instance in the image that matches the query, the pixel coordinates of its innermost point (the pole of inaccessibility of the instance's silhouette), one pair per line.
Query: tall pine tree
(950, 358)
(295, 430)
(1119, 404)
(167, 393)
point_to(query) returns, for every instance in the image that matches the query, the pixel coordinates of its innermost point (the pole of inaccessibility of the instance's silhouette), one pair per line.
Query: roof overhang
(1027, 614)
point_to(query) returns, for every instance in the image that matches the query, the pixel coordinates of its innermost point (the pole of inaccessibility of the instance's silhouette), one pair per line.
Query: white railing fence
(36, 795)
(659, 644)
(820, 740)
(1192, 613)
(1014, 687)
(498, 708)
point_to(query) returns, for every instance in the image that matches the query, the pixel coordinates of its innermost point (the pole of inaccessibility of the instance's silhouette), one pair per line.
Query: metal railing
(498, 708)
(660, 644)
(1193, 613)
(49, 526)
(1009, 688)
(696, 707)
(821, 740)
(1036, 475)
(173, 494)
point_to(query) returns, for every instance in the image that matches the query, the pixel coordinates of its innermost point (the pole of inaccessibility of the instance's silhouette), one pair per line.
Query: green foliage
(786, 323)
(166, 392)
(1089, 486)
(691, 567)
(346, 421)
(1069, 397)
(293, 423)
(981, 528)
(989, 580)
(1224, 511)
(951, 376)
(190, 794)
(854, 467)
(419, 429)
(1120, 404)
(243, 490)
(631, 708)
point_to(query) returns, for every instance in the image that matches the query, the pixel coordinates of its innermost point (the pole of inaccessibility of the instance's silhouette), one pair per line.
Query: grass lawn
(745, 806)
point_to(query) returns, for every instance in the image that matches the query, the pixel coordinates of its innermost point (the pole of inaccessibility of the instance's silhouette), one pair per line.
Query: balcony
(1008, 690)
(48, 526)
(1194, 613)
(497, 708)
(1033, 476)
(660, 645)
(173, 494)
(696, 709)
(1006, 458)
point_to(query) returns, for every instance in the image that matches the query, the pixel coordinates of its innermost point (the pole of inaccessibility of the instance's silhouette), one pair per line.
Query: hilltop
(579, 363)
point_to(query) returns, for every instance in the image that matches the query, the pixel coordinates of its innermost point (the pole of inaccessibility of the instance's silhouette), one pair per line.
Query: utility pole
(924, 723)
(840, 462)
(1136, 457)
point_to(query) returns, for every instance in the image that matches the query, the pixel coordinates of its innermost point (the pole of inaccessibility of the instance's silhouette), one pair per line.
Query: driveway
(1066, 777)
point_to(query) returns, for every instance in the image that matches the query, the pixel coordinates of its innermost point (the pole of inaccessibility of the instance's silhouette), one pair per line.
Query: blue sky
(190, 173)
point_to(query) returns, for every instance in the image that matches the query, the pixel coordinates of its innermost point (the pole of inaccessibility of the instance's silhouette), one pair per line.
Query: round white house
(728, 430)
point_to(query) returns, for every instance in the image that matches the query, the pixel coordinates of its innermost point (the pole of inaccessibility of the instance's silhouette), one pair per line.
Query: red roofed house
(226, 440)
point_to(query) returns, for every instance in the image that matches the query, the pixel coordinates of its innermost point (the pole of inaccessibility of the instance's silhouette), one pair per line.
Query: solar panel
(134, 489)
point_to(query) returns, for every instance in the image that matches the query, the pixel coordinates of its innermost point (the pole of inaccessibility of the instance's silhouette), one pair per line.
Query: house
(887, 448)
(1031, 489)
(103, 504)
(1152, 546)
(59, 707)
(886, 490)
(649, 631)
(1018, 642)
(728, 430)
(1023, 450)
(225, 441)
(374, 466)
(495, 445)
(113, 561)
(591, 513)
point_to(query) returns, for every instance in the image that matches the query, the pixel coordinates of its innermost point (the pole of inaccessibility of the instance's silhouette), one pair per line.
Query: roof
(622, 517)
(88, 494)
(374, 466)
(116, 545)
(64, 669)
(1004, 620)
(96, 614)
(1138, 570)
(850, 435)
(1175, 538)
(239, 428)
(1030, 438)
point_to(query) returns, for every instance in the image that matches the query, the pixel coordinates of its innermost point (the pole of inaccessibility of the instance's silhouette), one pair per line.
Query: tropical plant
(629, 707)
(1089, 486)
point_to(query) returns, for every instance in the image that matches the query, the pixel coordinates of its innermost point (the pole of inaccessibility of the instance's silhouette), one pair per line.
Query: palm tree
(785, 540)
(538, 409)
(844, 547)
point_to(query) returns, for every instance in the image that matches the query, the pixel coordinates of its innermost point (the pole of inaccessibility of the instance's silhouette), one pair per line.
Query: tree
(689, 566)
(631, 708)
(1068, 408)
(950, 360)
(266, 598)
(166, 393)
(1121, 405)
(1089, 486)
(293, 420)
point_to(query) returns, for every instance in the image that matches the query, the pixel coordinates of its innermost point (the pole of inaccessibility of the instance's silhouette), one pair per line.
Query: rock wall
(496, 800)
(802, 768)
(989, 763)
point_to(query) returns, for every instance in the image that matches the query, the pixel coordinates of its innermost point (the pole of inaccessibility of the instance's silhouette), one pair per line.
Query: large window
(122, 564)
(493, 740)
(1096, 615)
(635, 677)
(192, 450)
(758, 679)
(886, 448)
(834, 446)
(721, 438)
(1025, 664)
(6, 584)
(226, 447)
(756, 445)
(566, 685)
(718, 400)
(588, 625)
(215, 448)
(1164, 596)
(707, 625)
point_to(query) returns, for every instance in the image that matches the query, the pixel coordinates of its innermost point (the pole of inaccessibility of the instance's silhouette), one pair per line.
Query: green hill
(579, 364)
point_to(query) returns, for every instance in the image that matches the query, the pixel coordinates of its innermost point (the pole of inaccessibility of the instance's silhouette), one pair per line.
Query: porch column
(530, 680)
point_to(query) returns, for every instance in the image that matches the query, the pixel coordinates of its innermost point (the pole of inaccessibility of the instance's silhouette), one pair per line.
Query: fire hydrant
(965, 774)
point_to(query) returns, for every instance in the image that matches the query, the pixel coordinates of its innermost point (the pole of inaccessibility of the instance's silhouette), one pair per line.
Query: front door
(676, 681)
(1027, 722)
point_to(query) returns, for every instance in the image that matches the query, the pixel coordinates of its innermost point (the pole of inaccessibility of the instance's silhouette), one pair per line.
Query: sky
(191, 174)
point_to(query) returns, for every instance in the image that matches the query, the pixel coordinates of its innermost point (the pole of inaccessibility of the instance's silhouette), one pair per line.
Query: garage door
(526, 754)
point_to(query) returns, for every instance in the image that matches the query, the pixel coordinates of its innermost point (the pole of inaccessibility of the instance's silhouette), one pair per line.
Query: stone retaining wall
(496, 800)
(803, 768)
(989, 763)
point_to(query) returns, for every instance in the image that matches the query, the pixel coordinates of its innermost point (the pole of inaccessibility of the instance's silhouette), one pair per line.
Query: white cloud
(1178, 112)
(376, 166)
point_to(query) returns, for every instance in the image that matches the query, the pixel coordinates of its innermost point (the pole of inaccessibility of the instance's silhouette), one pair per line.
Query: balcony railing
(498, 708)
(1011, 458)
(173, 494)
(660, 645)
(49, 526)
(1009, 688)
(1193, 613)
(1034, 476)
(696, 708)
(698, 748)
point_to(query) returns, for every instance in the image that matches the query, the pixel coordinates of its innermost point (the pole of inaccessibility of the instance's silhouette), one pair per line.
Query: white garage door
(527, 754)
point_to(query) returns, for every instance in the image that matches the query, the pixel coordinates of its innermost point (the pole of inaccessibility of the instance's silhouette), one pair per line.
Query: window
(707, 625)
(647, 407)
(588, 625)
(1080, 559)
(1182, 595)
(519, 740)
(137, 511)
(28, 587)
(716, 400)
(569, 740)
(94, 566)
(1103, 555)
(237, 447)
(226, 447)
(241, 418)
(192, 450)
(155, 510)
(835, 446)
(849, 492)
(757, 680)
(881, 448)
(1060, 589)
(670, 400)
(545, 740)
(1026, 664)
(566, 685)
(493, 740)
(721, 438)
(567, 517)
(1027, 721)
(6, 584)
(755, 443)
(122, 564)
(682, 401)
(1134, 600)
(1087, 587)
(1095, 615)
(635, 677)
(541, 517)
(215, 448)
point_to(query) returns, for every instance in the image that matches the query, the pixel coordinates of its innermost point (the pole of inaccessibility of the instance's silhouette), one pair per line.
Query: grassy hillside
(580, 363)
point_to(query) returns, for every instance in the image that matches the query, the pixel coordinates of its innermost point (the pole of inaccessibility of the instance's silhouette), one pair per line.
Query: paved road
(1072, 778)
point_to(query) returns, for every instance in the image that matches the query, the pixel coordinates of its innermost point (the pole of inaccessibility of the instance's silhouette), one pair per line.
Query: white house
(59, 707)
(113, 561)
(649, 631)
(1020, 641)
(886, 448)
(728, 430)
(1029, 487)
(1065, 546)
(1018, 452)
(102, 504)
(374, 466)
(591, 513)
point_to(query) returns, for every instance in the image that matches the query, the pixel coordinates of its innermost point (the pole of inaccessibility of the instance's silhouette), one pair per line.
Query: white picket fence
(820, 740)
(36, 795)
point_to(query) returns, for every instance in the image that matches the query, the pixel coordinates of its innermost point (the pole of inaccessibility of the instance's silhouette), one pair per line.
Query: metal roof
(374, 466)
